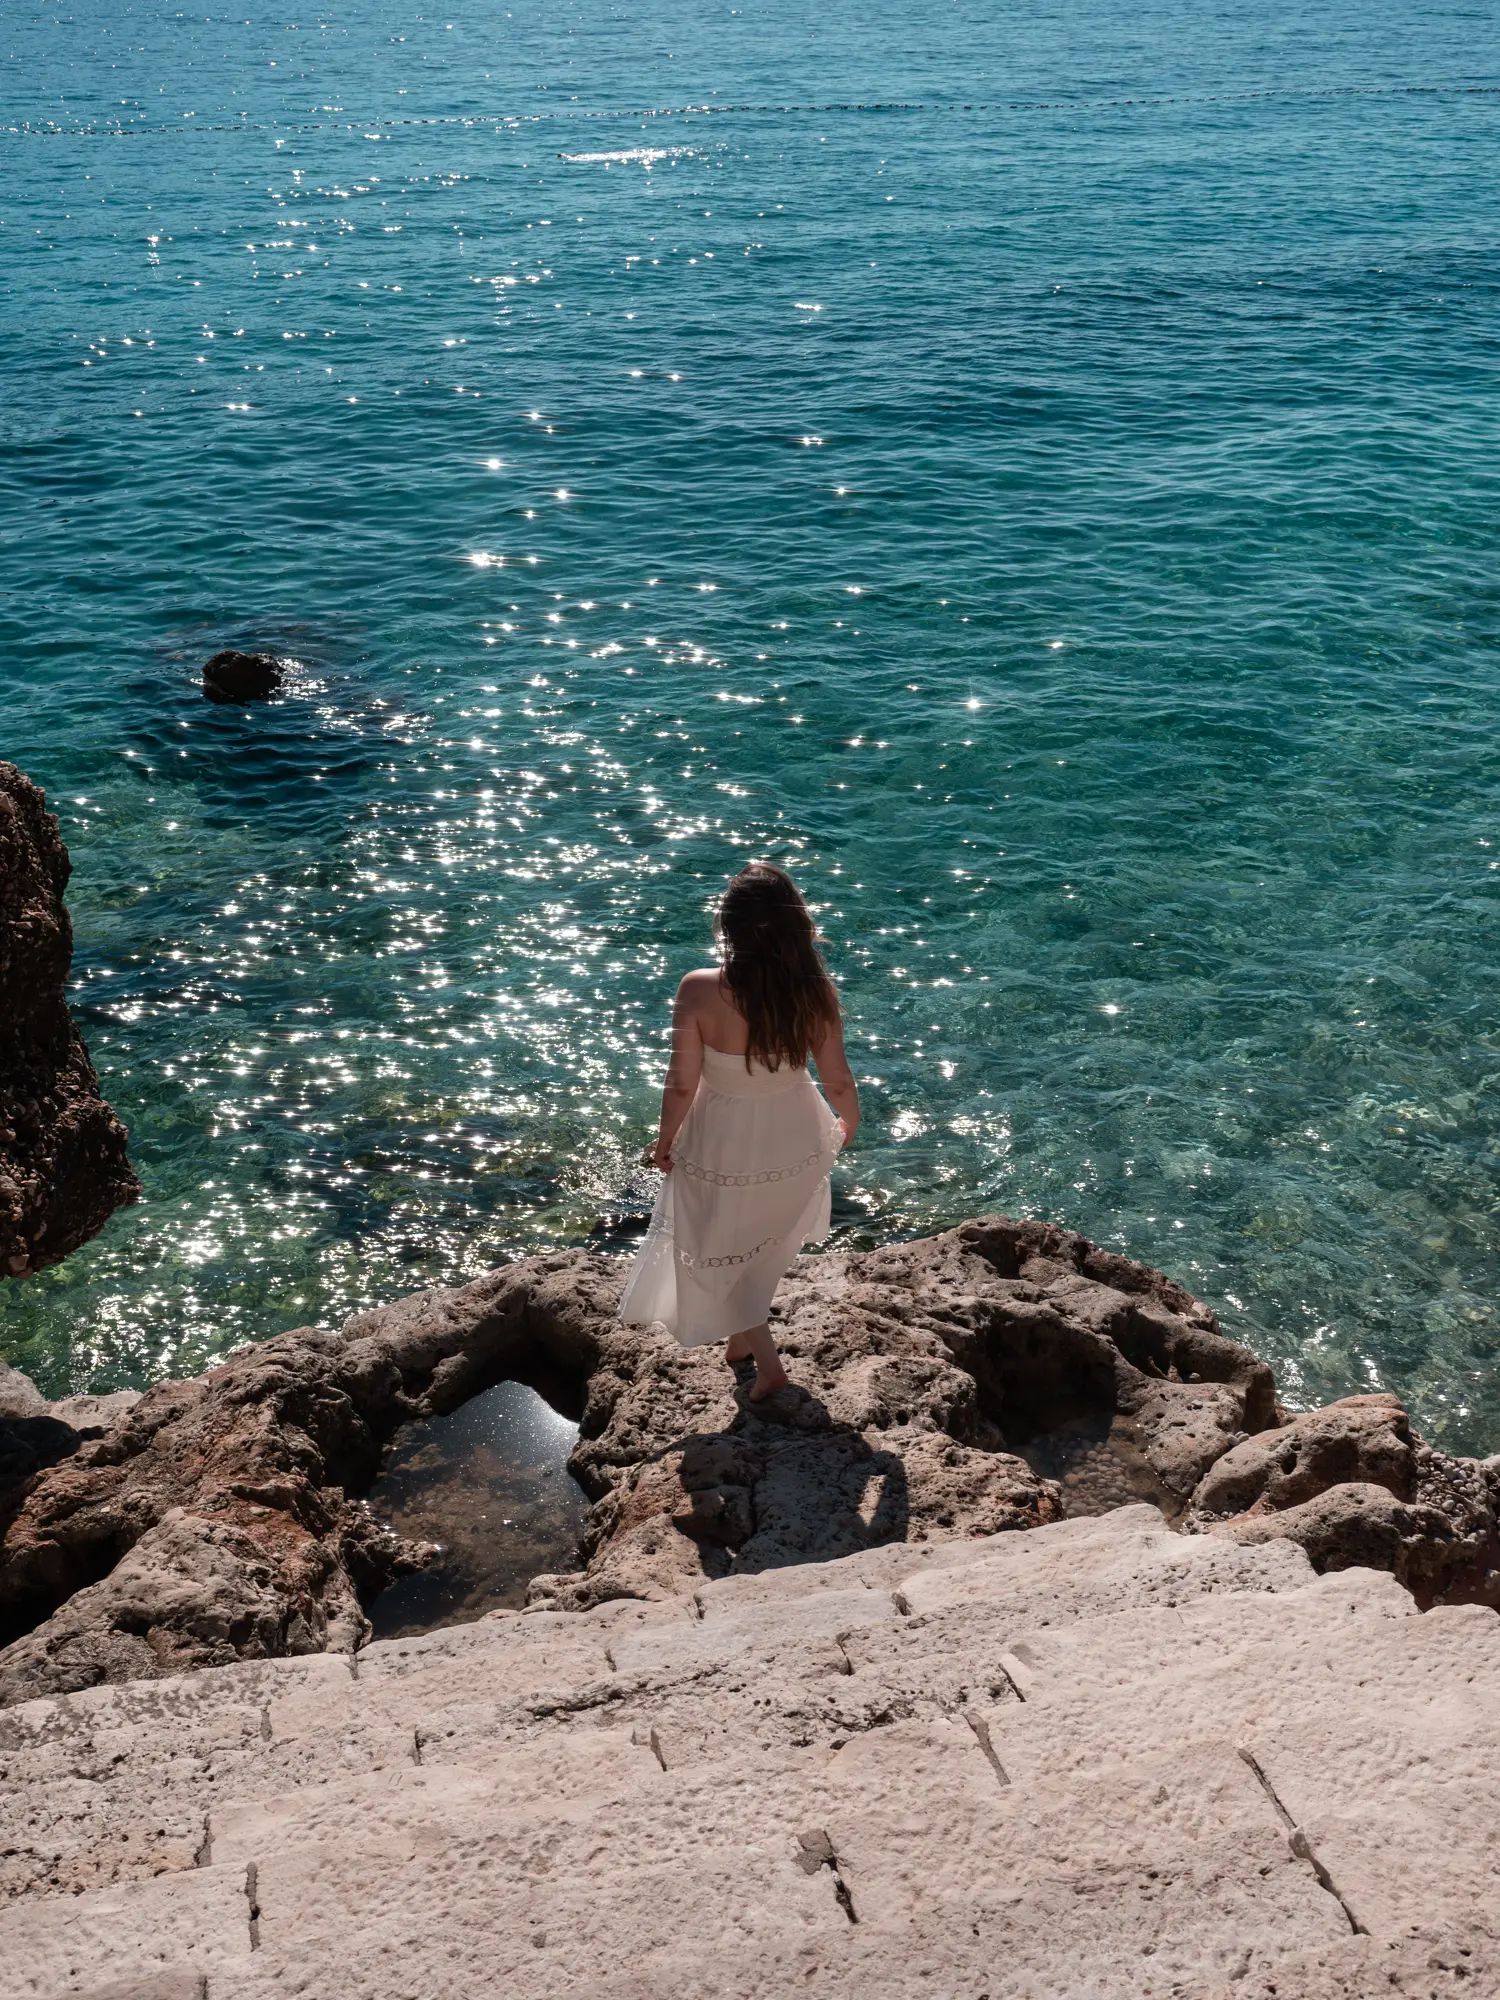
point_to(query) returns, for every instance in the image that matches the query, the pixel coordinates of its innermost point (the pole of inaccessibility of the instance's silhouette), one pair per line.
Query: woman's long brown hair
(772, 967)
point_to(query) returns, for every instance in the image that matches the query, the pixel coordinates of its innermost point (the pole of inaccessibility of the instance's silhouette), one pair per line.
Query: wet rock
(63, 1167)
(235, 676)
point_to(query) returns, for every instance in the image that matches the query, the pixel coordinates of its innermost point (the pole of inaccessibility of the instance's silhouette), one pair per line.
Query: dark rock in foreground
(63, 1167)
(234, 676)
(994, 1377)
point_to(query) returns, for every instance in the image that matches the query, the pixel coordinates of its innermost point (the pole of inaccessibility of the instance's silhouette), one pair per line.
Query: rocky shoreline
(1000, 1376)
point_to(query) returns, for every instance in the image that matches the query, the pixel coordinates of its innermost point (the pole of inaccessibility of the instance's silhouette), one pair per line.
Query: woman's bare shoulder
(699, 990)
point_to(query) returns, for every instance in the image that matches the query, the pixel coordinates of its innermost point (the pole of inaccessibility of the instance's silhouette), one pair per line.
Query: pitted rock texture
(999, 1376)
(63, 1167)
(1354, 1485)
(1097, 1761)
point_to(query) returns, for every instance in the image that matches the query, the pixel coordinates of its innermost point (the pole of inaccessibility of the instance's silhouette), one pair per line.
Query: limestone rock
(91, 1416)
(1354, 1486)
(1358, 1525)
(63, 1169)
(1096, 1760)
(239, 677)
(19, 1395)
(998, 1376)
(1361, 1438)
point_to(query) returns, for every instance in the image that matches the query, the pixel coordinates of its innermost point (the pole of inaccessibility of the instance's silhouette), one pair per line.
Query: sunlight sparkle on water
(386, 960)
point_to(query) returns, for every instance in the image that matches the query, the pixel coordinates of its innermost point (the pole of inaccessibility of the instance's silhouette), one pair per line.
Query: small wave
(646, 156)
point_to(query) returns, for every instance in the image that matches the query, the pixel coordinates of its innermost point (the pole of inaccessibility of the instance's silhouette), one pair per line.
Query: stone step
(938, 1789)
(909, 1830)
(173, 1927)
(912, 1825)
(547, 1871)
(1438, 1962)
(1095, 1760)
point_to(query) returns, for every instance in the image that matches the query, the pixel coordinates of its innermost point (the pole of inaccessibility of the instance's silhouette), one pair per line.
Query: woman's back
(746, 1141)
(720, 1023)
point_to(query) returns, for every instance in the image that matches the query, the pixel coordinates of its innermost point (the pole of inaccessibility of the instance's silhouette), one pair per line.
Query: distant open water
(1034, 470)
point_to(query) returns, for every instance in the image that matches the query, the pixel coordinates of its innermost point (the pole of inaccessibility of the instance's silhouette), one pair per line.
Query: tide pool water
(1031, 470)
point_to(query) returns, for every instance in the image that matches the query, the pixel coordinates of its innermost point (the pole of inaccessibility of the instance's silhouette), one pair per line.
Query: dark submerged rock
(235, 676)
(63, 1166)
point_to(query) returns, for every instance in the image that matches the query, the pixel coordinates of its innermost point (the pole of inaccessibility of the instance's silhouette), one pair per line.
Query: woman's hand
(849, 1126)
(658, 1156)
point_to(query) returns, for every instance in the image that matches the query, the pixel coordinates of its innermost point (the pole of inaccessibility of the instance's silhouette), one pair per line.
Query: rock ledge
(1094, 1760)
(999, 1376)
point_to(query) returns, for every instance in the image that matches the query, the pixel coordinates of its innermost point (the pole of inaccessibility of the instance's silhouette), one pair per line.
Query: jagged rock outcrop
(1354, 1486)
(63, 1167)
(997, 1376)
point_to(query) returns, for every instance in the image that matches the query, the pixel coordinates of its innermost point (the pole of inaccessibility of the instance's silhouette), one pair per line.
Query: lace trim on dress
(763, 1179)
(718, 1263)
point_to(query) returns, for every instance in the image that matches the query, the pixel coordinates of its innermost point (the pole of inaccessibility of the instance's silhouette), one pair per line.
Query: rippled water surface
(1034, 470)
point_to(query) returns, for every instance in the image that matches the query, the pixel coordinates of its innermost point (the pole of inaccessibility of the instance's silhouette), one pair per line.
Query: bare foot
(736, 1348)
(767, 1385)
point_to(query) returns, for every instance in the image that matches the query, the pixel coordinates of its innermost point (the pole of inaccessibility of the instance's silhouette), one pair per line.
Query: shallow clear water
(1053, 511)
(488, 1485)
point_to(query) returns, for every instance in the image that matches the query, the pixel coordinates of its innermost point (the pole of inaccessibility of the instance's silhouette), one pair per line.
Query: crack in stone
(1010, 1679)
(816, 1851)
(252, 1888)
(1300, 1845)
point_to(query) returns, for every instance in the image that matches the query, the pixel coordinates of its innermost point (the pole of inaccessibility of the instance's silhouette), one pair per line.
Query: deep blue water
(1032, 469)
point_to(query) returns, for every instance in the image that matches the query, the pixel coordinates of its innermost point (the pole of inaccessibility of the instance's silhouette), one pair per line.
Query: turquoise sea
(1035, 470)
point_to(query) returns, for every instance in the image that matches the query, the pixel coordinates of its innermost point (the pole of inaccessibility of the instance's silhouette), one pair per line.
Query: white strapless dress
(748, 1187)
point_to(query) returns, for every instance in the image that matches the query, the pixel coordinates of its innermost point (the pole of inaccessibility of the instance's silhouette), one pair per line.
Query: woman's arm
(837, 1079)
(683, 1072)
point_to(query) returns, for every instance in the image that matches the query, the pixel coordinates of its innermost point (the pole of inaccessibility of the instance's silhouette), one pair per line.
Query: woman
(746, 1142)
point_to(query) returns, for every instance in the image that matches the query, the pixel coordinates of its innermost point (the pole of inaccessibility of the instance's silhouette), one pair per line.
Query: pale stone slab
(515, 1636)
(1434, 1965)
(1095, 1762)
(72, 1944)
(750, 1634)
(164, 1985)
(586, 1766)
(1146, 1565)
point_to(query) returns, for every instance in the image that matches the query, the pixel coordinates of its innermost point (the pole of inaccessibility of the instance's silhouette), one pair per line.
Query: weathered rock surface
(63, 1168)
(1354, 1485)
(240, 677)
(995, 1377)
(1092, 1761)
